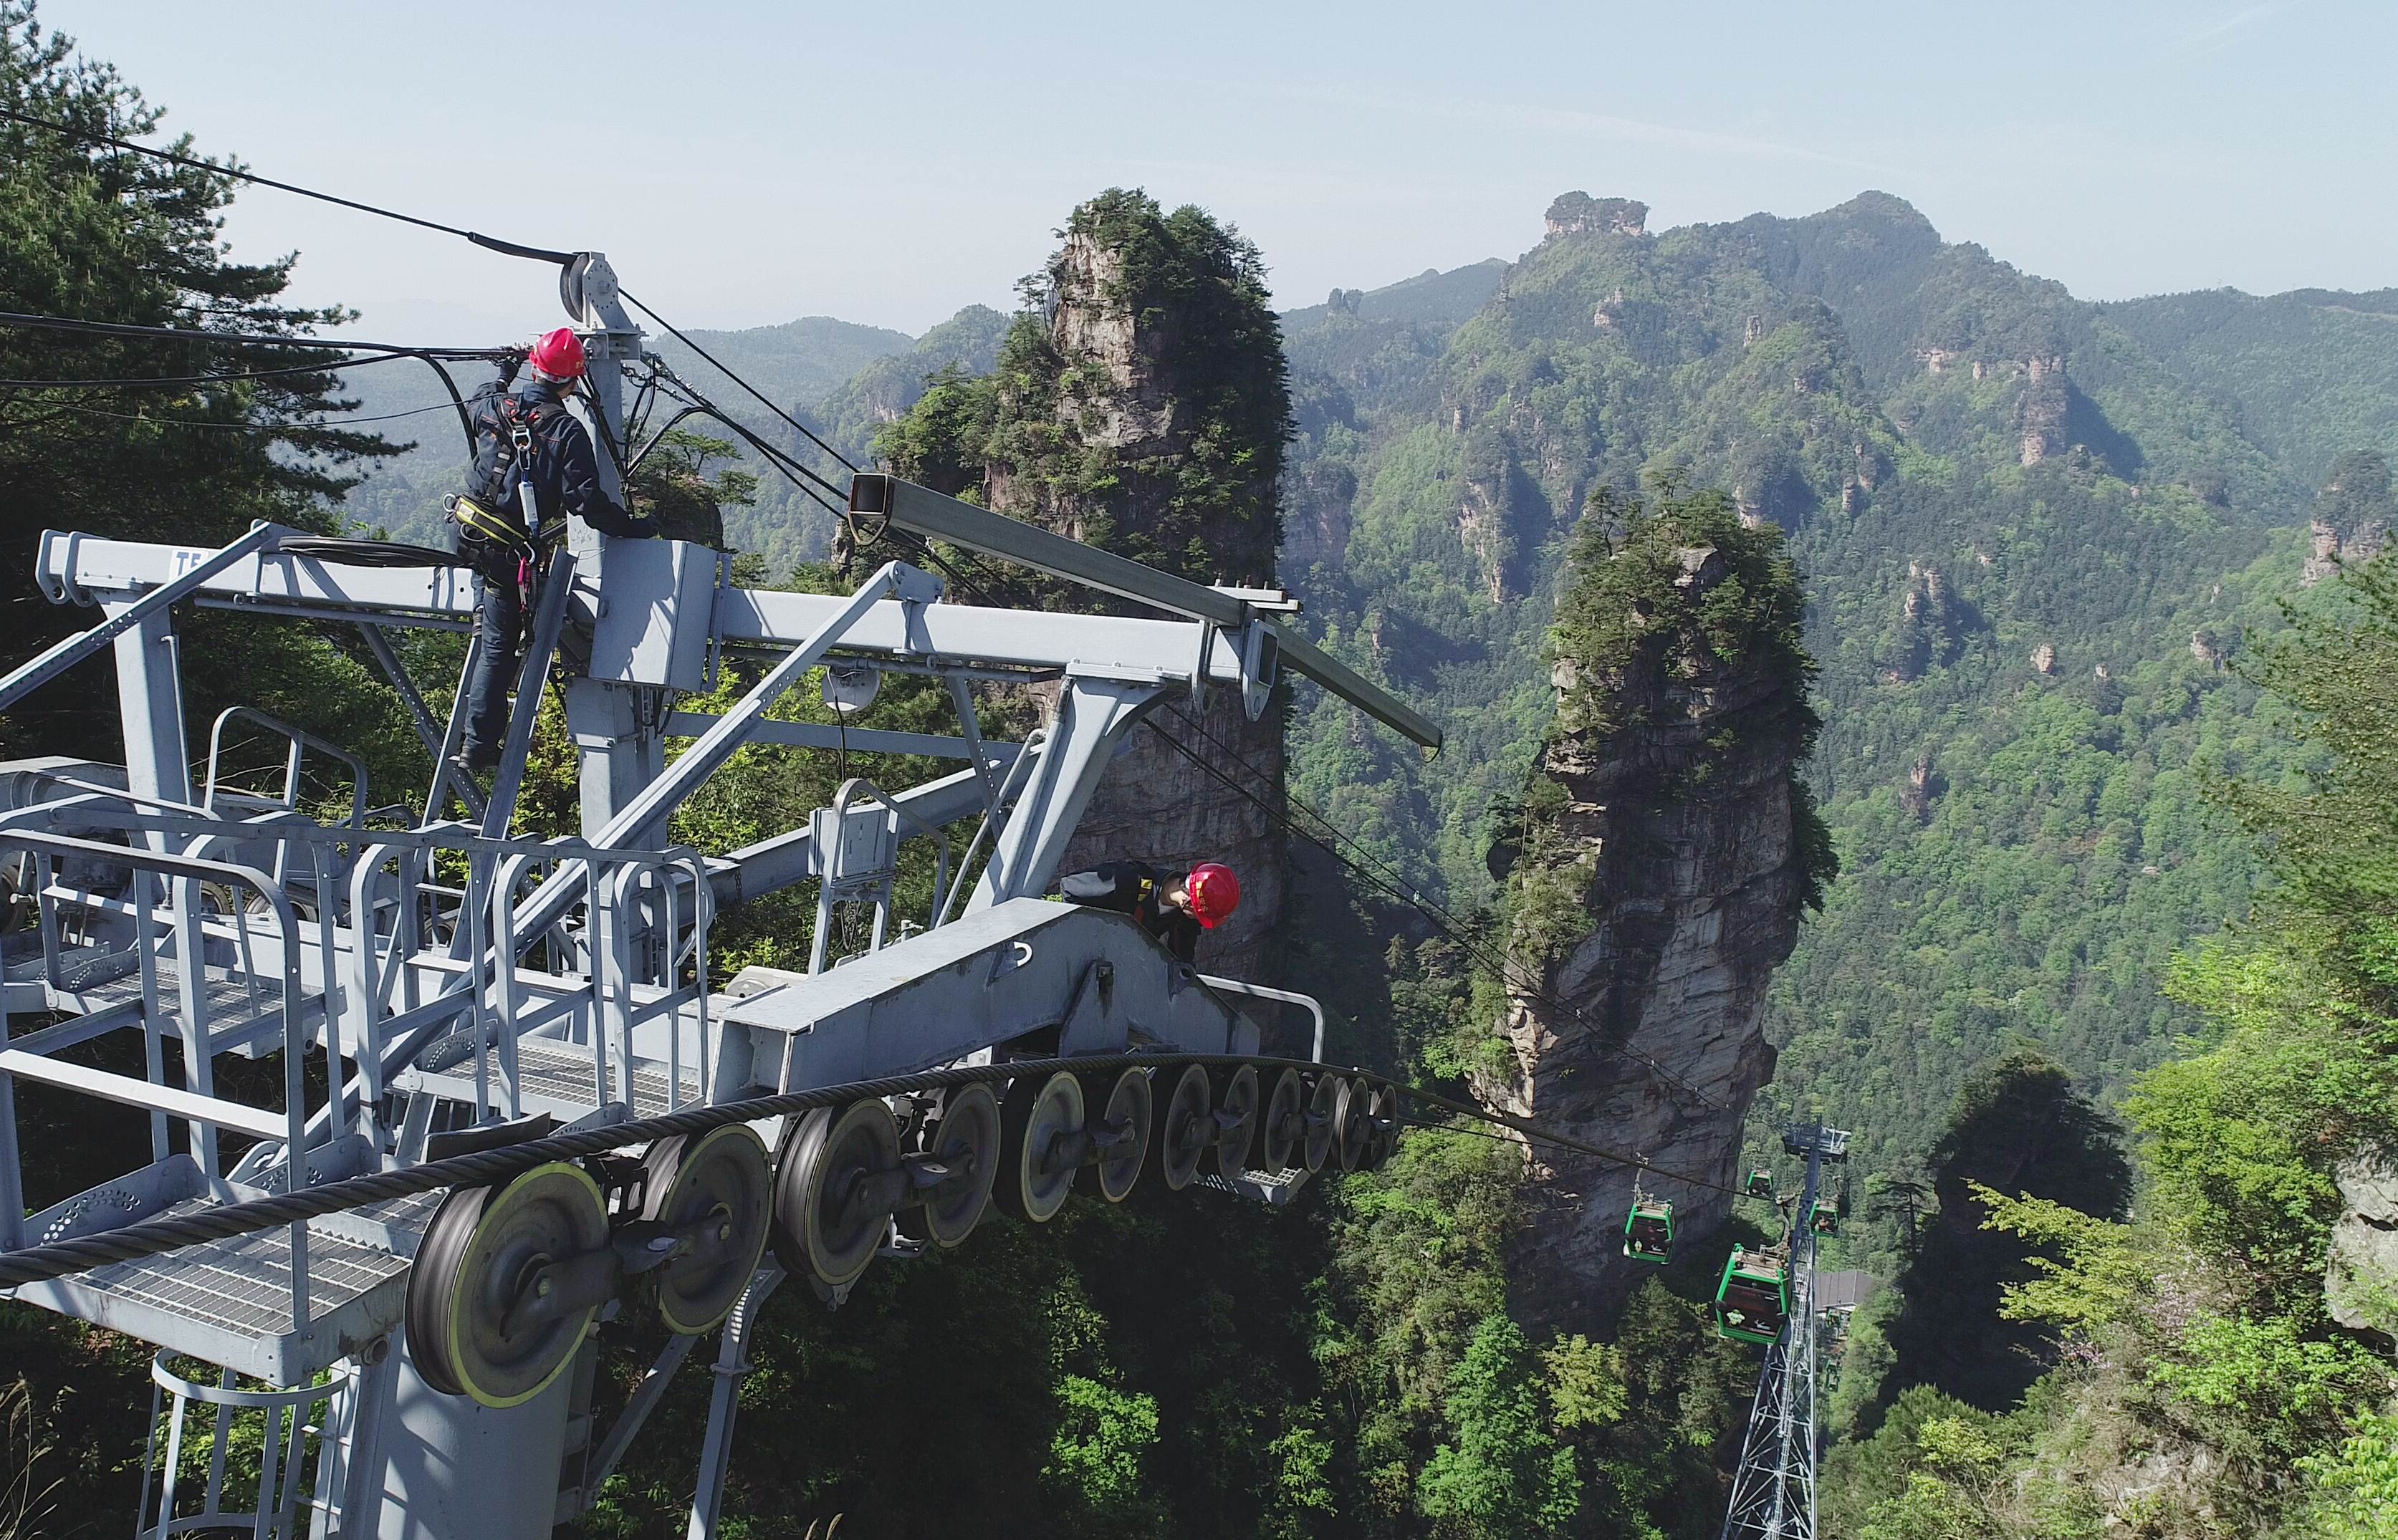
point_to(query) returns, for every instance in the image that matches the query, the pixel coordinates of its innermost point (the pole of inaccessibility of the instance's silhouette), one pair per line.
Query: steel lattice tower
(1774, 1492)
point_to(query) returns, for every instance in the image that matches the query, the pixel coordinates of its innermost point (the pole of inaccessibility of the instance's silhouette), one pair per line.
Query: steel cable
(431, 357)
(480, 1167)
(745, 384)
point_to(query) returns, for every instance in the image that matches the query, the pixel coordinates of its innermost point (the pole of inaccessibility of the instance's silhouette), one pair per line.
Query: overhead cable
(754, 392)
(490, 242)
(236, 339)
(185, 380)
(240, 427)
(432, 358)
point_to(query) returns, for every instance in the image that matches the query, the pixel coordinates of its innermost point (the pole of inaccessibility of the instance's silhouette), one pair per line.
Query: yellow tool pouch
(476, 522)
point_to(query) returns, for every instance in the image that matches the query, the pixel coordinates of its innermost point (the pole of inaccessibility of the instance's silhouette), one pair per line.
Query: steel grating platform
(241, 1014)
(1275, 1188)
(229, 1302)
(559, 1077)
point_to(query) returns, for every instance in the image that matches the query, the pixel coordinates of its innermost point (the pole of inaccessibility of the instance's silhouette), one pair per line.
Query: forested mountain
(2308, 374)
(2039, 647)
(2036, 535)
(2029, 543)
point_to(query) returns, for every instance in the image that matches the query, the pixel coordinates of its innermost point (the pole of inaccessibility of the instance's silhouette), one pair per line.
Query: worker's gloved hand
(511, 360)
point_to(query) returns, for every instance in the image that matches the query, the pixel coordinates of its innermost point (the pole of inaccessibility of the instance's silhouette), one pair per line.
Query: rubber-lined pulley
(1237, 1120)
(834, 1195)
(720, 1182)
(1184, 1128)
(1322, 1120)
(1353, 1123)
(1283, 1127)
(468, 1328)
(964, 1144)
(1041, 1146)
(1382, 1115)
(1119, 1134)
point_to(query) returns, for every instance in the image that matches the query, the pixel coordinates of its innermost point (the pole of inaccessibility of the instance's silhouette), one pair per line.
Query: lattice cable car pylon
(1773, 1490)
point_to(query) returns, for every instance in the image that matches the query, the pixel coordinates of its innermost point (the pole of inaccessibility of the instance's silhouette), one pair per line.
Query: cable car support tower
(414, 991)
(1773, 1491)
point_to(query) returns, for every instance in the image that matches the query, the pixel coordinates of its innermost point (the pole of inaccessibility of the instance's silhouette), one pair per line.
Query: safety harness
(501, 519)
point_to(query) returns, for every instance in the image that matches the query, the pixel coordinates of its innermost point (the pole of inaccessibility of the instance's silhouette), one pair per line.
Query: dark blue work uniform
(1137, 889)
(558, 462)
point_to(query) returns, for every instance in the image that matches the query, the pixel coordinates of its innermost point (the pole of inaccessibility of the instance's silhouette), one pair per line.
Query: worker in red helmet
(1172, 905)
(534, 467)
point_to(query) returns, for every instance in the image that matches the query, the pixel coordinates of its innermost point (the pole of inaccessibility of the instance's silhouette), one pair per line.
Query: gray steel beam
(633, 824)
(732, 1366)
(1300, 653)
(549, 618)
(816, 735)
(787, 858)
(947, 633)
(924, 512)
(72, 651)
(1093, 717)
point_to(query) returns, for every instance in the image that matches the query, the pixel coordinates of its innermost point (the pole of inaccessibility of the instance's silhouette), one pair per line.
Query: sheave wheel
(1283, 1128)
(723, 1176)
(1383, 1113)
(1126, 1114)
(967, 1143)
(1353, 1125)
(1239, 1100)
(1183, 1129)
(483, 1245)
(1322, 1120)
(1039, 1148)
(833, 1198)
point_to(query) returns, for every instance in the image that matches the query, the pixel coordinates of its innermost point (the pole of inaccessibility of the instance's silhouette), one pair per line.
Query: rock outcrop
(1667, 852)
(2361, 1275)
(2040, 413)
(1579, 214)
(1148, 373)
(1143, 409)
(2352, 515)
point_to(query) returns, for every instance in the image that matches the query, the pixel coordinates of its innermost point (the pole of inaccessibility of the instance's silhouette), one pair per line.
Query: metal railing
(300, 741)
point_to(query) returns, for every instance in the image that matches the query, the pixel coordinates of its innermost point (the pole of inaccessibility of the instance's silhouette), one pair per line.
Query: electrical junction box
(656, 601)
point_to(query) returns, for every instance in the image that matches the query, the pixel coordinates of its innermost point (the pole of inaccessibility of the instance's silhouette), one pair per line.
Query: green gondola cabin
(1760, 1184)
(1823, 1220)
(1753, 1300)
(1649, 1231)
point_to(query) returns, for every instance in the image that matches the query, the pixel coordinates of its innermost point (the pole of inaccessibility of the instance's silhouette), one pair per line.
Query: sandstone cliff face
(1136, 377)
(1692, 867)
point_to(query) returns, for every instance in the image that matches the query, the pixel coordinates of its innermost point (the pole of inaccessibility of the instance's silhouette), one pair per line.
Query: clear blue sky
(746, 164)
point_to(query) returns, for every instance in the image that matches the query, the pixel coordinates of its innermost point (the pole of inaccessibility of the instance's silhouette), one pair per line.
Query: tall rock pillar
(1142, 407)
(1667, 851)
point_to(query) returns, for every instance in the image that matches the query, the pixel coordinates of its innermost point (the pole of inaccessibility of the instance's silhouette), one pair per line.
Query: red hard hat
(558, 353)
(1215, 894)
